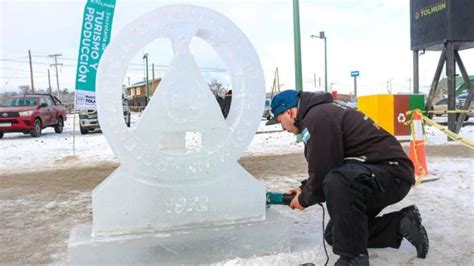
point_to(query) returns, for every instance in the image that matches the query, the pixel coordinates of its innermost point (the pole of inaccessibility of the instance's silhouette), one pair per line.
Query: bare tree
(24, 89)
(6, 95)
(66, 96)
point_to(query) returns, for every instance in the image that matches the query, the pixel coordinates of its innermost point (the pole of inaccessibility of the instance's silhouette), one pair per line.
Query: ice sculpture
(163, 184)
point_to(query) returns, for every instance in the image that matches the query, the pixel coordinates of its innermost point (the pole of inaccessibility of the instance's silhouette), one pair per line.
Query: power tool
(279, 198)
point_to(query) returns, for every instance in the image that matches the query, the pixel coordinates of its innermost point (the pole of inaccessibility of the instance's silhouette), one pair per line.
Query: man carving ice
(358, 169)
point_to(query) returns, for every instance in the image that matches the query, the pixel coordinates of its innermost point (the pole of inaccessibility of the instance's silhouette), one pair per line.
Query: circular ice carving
(224, 141)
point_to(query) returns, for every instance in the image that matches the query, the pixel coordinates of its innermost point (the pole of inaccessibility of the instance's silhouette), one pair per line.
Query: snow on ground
(447, 210)
(20, 153)
(434, 136)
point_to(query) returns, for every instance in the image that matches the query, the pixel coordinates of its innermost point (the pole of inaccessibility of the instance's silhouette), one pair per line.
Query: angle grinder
(278, 198)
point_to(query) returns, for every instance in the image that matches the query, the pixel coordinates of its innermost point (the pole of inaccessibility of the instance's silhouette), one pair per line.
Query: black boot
(412, 229)
(361, 260)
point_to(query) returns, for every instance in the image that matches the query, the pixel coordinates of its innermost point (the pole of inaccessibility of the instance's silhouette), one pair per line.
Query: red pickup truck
(30, 113)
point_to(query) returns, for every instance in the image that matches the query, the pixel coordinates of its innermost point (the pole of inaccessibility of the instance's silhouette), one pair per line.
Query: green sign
(95, 35)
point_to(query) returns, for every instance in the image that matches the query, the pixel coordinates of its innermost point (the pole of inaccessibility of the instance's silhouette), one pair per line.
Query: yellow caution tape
(450, 111)
(464, 141)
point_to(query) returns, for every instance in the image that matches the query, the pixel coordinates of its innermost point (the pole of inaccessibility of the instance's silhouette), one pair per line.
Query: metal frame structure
(450, 56)
(446, 26)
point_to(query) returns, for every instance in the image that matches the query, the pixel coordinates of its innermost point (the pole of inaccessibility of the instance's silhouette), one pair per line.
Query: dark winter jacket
(335, 134)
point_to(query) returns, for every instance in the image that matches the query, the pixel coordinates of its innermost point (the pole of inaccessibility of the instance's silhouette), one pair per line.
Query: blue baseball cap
(282, 102)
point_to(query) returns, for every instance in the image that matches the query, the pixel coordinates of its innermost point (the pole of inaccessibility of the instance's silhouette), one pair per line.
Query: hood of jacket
(309, 100)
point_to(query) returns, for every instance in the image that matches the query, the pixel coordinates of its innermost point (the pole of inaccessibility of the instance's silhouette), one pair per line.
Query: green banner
(95, 35)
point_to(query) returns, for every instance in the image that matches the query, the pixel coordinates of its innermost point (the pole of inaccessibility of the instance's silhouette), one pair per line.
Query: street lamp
(145, 56)
(323, 36)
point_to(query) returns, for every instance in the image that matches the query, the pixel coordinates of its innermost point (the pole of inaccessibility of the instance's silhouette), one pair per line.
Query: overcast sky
(371, 36)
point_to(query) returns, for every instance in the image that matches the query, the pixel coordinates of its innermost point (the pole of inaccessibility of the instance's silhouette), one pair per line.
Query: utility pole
(276, 84)
(416, 73)
(389, 86)
(49, 83)
(145, 56)
(322, 35)
(153, 71)
(355, 87)
(278, 79)
(152, 75)
(297, 43)
(31, 73)
(55, 56)
(315, 83)
(355, 74)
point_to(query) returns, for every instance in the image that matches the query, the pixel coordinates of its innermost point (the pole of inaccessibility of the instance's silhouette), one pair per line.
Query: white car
(460, 103)
(442, 105)
(267, 112)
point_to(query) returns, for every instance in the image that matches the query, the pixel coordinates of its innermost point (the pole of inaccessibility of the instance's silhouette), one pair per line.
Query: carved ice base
(206, 244)
(129, 201)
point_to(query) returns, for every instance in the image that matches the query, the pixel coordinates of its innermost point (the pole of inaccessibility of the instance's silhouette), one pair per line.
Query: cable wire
(324, 242)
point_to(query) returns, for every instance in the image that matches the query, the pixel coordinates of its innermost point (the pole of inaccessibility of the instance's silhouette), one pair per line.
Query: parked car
(461, 99)
(88, 120)
(267, 111)
(348, 104)
(30, 113)
(442, 105)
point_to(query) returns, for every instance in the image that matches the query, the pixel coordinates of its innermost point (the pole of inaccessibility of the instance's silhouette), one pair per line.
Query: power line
(22, 77)
(19, 70)
(13, 58)
(62, 58)
(25, 62)
(162, 67)
(210, 69)
(37, 63)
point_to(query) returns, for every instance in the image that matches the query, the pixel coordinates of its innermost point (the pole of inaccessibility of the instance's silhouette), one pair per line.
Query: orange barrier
(417, 146)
